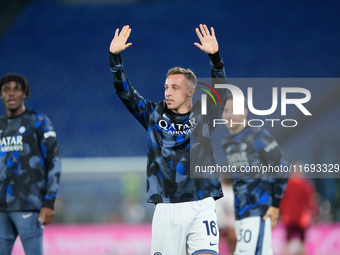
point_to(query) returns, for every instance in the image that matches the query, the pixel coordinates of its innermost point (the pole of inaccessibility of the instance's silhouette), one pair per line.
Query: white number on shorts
(213, 228)
(246, 236)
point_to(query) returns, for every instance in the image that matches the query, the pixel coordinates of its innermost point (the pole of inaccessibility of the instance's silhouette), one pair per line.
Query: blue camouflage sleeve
(50, 158)
(218, 75)
(135, 103)
(272, 155)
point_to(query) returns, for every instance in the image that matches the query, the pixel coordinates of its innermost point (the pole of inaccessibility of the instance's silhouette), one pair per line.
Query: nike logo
(212, 244)
(241, 251)
(25, 216)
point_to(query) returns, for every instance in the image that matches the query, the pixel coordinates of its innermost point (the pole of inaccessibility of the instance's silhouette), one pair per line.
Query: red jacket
(299, 203)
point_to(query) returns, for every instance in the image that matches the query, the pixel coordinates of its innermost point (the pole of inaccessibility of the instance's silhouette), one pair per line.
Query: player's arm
(50, 151)
(272, 155)
(135, 103)
(208, 44)
(312, 200)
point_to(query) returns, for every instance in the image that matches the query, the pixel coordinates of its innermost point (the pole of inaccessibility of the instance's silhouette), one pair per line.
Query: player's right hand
(118, 43)
(46, 215)
(273, 213)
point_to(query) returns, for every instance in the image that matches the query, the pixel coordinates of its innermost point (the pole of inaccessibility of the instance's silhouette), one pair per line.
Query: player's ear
(191, 91)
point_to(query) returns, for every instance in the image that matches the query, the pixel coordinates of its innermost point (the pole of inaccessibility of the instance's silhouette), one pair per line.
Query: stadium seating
(62, 49)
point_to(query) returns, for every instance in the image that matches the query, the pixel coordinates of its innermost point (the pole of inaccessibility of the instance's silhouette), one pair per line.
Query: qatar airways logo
(11, 143)
(238, 159)
(238, 104)
(175, 128)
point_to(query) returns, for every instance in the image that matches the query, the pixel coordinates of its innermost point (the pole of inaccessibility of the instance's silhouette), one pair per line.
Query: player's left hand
(273, 213)
(208, 40)
(46, 215)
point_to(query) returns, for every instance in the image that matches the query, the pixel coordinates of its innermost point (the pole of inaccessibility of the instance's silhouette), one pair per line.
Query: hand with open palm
(207, 38)
(118, 43)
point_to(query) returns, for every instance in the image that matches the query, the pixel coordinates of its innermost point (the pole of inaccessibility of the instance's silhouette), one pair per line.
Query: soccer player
(257, 196)
(184, 219)
(298, 208)
(29, 169)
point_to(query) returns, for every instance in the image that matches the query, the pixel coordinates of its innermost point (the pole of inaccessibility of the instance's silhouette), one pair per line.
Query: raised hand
(118, 43)
(208, 40)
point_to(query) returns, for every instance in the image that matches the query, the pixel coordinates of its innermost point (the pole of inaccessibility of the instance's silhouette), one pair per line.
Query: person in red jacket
(298, 207)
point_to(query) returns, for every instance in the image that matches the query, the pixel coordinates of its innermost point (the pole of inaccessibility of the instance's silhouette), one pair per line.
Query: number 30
(246, 236)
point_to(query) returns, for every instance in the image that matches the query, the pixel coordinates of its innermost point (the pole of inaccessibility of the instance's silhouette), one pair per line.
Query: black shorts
(295, 231)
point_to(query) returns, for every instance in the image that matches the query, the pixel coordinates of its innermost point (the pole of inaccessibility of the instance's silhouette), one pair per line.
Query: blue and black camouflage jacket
(176, 142)
(29, 162)
(252, 151)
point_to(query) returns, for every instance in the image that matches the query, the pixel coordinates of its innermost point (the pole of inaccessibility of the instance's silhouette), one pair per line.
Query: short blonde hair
(187, 73)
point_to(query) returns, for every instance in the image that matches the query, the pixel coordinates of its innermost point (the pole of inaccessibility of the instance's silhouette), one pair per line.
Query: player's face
(178, 93)
(235, 122)
(13, 96)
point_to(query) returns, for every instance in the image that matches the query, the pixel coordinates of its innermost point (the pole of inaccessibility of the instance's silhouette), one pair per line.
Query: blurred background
(62, 48)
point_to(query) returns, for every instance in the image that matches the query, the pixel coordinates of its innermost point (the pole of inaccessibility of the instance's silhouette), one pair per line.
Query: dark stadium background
(61, 47)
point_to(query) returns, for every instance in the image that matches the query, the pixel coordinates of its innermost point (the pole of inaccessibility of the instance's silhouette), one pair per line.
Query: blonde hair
(187, 73)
